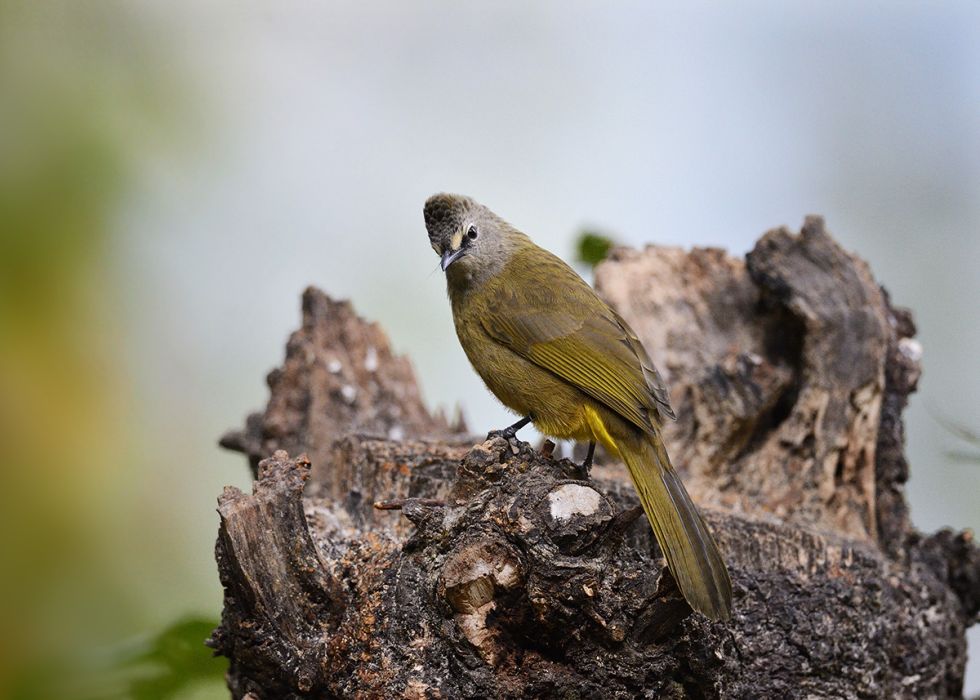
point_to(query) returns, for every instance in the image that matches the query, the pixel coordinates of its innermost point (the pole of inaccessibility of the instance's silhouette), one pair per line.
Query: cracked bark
(496, 571)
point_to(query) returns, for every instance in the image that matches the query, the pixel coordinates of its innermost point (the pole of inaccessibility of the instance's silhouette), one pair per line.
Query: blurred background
(172, 174)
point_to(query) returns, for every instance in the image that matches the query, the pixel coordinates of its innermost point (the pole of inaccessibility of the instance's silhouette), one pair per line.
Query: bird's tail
(691, 552)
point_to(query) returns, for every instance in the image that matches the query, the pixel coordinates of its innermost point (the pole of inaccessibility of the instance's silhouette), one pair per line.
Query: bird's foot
(585, 469)
(510, 432)
(507, 434)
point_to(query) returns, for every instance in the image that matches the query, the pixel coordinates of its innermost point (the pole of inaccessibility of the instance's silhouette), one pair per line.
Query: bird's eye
(472, 233)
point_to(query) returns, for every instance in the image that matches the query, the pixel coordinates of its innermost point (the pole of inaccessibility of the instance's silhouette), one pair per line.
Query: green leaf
(592, 247)
(172, 663)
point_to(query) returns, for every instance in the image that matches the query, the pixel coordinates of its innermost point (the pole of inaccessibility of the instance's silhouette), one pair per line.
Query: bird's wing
(655, 383)
(589, 345)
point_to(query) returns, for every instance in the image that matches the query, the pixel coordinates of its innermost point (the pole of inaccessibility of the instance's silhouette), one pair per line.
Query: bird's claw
(507, 434)
(510, 433)
(510, 436)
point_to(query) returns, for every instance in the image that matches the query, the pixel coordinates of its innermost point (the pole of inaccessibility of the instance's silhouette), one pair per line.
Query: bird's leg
(510, 432)
(583, 471)
(587, 463)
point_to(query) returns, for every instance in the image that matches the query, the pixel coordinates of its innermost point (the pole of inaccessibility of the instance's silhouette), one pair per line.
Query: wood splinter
(400, 503)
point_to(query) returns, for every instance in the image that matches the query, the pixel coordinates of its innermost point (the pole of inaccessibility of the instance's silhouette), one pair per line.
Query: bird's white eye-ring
(472, 233)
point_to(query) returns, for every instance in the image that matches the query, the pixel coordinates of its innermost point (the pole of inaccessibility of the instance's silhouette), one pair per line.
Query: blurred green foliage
(172, 661)
(82, 90)
(592, 247)
(171, 664)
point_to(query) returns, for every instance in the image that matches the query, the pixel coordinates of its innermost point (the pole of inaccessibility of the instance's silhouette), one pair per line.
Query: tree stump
(398, 559)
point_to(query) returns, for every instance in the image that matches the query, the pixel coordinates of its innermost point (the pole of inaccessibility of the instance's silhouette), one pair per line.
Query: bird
(553, 352)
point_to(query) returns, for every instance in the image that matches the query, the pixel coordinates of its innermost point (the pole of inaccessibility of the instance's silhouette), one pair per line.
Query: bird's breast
(557, 408)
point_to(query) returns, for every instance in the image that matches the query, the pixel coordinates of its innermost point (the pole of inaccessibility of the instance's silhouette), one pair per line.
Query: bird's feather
(590, 346)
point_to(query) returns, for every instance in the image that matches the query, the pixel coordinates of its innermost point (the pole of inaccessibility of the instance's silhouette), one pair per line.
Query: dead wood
(497, 571)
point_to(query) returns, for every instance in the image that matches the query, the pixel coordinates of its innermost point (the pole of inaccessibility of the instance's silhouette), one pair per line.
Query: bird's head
(468, 236)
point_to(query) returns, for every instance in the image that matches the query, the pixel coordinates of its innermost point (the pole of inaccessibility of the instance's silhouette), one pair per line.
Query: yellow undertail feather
(691, 552)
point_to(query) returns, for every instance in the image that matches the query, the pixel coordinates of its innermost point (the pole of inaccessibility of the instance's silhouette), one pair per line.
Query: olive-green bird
(552, 351)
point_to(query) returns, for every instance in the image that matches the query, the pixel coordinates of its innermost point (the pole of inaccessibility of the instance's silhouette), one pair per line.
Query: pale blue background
(319, 129)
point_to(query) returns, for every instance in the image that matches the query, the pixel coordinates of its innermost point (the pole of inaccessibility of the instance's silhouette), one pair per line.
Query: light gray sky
(322, 128)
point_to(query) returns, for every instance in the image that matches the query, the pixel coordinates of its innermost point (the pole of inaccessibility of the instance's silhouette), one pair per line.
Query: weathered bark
(340, 376)
(497, 571)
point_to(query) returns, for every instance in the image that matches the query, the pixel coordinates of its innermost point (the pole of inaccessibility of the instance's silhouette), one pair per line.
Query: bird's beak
(449, 257)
